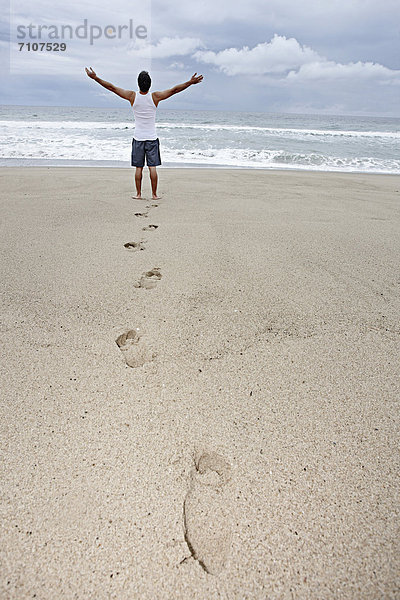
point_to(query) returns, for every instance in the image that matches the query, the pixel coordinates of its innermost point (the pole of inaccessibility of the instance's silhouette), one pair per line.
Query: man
(145, 142)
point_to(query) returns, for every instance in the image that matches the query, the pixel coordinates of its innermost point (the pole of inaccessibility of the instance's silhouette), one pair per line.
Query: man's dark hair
(144, 81)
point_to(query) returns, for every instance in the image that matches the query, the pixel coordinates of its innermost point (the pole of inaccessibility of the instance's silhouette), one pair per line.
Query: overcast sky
(314, 56)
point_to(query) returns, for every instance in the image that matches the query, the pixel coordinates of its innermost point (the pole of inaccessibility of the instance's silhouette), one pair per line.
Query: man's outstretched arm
(158, 96)
(125, 94)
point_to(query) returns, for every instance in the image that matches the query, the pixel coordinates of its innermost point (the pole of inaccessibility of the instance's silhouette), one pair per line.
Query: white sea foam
(282, 131)
(58, 125)
(85, 148)
(239, 157)
(198, 142)
(274, 131)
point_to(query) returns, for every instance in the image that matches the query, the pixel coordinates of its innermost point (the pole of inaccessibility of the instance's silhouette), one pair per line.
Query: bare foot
(156, 197)
(137, 197)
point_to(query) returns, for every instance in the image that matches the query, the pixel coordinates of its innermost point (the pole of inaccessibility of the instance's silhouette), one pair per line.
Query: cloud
(209, 12)
(167, 47)
(359, 71)
(287, 58)
(177, 65)
(277, 56)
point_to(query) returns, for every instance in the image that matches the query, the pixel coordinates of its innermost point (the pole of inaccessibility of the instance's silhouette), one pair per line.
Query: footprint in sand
(207, 512)
(150, 228)
(133, 348)
(134, 246)
(142, 214)
(149, 279)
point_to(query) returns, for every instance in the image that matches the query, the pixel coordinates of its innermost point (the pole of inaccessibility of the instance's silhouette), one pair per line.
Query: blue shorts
(149, 149)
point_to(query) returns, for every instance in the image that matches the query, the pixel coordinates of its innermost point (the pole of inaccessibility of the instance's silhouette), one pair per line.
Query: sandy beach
(212, 410)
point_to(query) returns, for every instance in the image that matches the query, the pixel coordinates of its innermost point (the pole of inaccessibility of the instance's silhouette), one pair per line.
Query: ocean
(67, 136)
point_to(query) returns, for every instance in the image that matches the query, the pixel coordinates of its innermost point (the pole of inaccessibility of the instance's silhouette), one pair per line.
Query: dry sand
(251, 448)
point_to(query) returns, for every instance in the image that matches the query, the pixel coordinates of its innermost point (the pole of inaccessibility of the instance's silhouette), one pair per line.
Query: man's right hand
(90, 73)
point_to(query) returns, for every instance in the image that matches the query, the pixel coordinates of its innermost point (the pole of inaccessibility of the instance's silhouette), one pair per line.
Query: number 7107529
(42, 46)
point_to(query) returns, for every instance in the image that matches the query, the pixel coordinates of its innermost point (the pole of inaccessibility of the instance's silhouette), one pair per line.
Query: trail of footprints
(133, 348)
(208, 503)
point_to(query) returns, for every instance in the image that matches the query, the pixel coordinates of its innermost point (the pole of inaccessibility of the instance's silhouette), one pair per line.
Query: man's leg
(138, 182)
(154, 181)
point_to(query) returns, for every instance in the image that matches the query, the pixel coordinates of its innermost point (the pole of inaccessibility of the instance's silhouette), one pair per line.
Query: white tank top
(144, 111)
